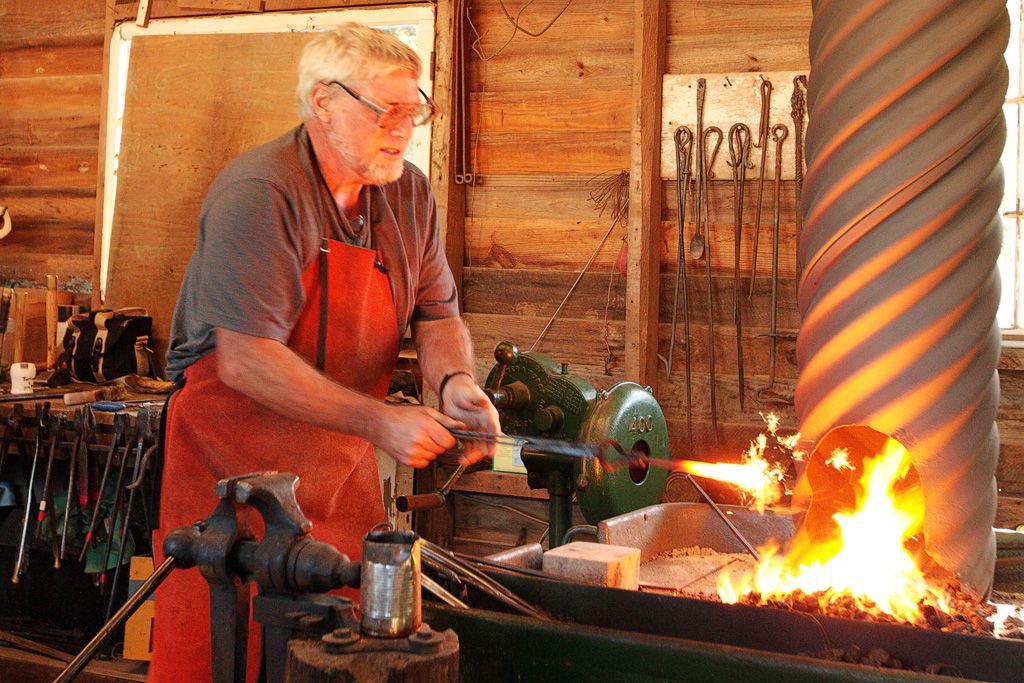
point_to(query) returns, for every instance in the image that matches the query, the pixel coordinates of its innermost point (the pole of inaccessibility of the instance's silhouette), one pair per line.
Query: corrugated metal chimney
(898, 251)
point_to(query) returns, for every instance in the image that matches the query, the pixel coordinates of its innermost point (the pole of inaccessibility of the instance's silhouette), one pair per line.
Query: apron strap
(321, 336)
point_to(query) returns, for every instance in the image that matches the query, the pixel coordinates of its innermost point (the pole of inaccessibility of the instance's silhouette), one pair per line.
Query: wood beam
(644, 241)
(450, 196)
(109, 24)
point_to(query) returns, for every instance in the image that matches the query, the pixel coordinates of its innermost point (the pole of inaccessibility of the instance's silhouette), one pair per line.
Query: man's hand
(467, 403)
(415, 435)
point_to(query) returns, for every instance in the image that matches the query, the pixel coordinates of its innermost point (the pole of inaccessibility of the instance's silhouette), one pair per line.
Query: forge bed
(614, 635)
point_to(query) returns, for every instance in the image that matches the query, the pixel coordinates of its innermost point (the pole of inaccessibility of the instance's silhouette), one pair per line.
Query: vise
(305, 633)
(536, 396)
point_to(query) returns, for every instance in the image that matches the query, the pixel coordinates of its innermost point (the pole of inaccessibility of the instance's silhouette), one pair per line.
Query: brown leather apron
(214, 432)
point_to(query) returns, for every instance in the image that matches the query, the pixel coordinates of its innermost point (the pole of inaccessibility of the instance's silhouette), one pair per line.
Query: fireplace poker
(684, 153)
(768, 394)
(697, 241)
(762, 143)
(709, 173)
(798, 107)
(739, 158)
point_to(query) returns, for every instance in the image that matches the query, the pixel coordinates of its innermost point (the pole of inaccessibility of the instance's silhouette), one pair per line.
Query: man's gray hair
(348, 53)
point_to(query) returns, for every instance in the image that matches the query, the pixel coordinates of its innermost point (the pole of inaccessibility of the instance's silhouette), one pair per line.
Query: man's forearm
(272, 374)
(442, 347)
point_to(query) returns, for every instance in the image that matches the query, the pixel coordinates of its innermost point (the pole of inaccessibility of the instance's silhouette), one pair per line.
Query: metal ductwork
(898, 250)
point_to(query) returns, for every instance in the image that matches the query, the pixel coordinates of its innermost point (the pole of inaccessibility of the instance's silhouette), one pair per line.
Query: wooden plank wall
(551, 123)
(51, 64)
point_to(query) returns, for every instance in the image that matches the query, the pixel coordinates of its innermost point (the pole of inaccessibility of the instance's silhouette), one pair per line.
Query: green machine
(536, 396)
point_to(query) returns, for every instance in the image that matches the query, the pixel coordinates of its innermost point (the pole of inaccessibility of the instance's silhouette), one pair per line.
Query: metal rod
(439, 556)
(725, 518)
(739, 155)
(763, 130)
(119, 425)
(21, 559)
(151, 584)
(535, 443)
(439, 592)
(767, 394)
(706, 195)
(56, 424)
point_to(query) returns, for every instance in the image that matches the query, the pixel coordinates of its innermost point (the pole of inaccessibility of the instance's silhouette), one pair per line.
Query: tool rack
(42, 575)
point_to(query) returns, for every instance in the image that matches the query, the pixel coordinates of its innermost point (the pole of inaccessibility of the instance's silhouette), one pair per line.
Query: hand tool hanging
(85, 467)
(42, 423)
(798, 108)
(83, 427)
(697, 241)
(139, 472)
(120, 422)
(762, 143)
(706, 194)
(739, 160)
(768, 394)
(46, 496)
(684, 153)
(142, 434)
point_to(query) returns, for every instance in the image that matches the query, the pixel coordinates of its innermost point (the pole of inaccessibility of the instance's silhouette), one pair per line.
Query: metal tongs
(547, 446)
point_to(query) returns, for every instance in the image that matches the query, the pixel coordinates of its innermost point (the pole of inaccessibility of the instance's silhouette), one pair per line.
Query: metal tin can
(389, 591)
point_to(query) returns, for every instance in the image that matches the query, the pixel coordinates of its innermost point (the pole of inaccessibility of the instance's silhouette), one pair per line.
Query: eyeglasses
(392, 114)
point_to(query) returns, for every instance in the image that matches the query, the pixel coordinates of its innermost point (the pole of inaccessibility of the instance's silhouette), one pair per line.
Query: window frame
(1013, 200)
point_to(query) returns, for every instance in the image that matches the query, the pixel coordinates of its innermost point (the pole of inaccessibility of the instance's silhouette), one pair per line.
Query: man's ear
(320, 98)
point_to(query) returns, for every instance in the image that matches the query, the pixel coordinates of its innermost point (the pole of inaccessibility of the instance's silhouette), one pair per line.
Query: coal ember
(963, 613)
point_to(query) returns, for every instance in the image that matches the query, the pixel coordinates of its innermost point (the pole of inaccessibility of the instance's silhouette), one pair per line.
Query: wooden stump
(310, 662)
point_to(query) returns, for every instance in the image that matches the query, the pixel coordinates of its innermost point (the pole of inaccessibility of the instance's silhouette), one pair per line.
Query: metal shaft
(119, 422)
(118, 495)
(70, 491)
(767, 395)
(535, 443)
(684, 153)
(762, 141)
(739, 153)
(20, 559)
(56, 423)
(725, 518)
(709, 282)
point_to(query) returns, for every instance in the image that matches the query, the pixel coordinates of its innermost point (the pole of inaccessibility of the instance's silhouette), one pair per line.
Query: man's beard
(377, 174)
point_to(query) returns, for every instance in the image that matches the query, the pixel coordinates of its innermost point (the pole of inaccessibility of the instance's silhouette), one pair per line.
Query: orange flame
(867, 560)
(756, 477)
(763, 481)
